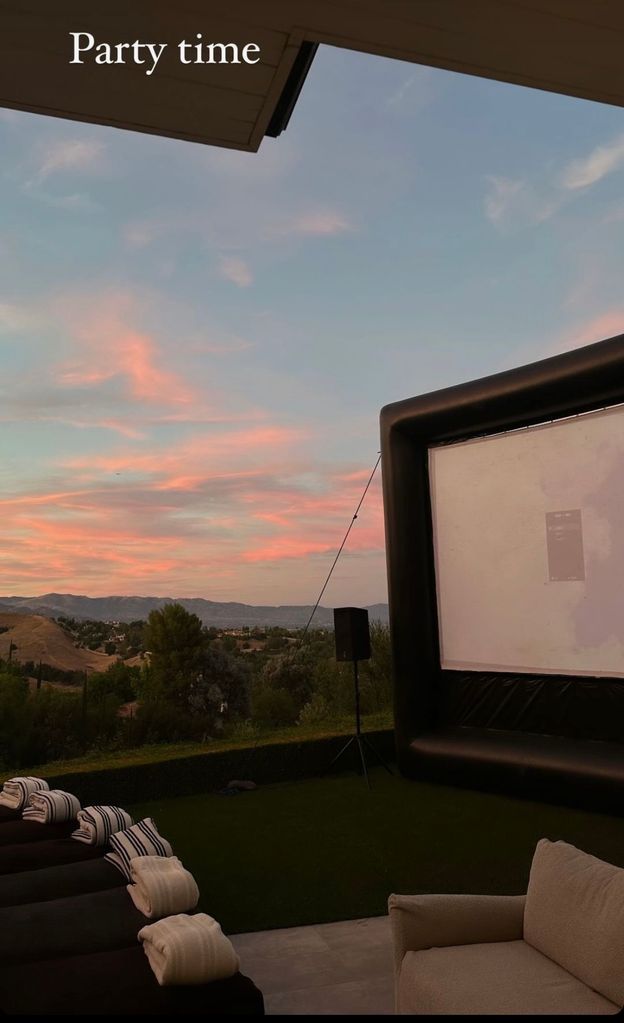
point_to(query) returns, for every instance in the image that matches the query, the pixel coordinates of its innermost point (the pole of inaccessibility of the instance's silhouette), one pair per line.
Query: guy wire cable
(340, 549)
(297, 646)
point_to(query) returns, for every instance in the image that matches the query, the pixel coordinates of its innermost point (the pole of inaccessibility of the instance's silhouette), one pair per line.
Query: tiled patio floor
(328, 969)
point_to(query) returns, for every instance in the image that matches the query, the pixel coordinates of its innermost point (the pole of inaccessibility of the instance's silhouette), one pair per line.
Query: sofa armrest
(434, 921)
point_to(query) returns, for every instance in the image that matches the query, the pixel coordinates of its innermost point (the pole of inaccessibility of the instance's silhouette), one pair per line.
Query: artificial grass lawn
(328, 849)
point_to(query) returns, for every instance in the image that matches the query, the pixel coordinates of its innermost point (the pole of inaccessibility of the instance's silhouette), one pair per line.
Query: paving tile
(294, 970)
(353, 998)
(369, 931)
(276, 943)
(365, 962)
(342, 968)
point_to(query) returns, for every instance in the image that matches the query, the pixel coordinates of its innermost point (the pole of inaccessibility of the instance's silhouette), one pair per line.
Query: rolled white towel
(141, 839)
(16, 791)
(96, 824)
(52, 807)
(188, 950)
(162, 886)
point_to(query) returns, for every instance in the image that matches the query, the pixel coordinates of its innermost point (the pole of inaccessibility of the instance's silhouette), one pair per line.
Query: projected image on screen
(529, 548)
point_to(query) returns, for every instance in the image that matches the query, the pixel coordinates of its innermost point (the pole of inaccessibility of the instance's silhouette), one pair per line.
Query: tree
(376, 676)
(119, 681)
(177, 643)
(223, 679)
(292, 672)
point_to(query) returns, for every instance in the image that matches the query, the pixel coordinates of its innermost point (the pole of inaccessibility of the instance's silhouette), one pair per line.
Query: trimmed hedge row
(208, 772)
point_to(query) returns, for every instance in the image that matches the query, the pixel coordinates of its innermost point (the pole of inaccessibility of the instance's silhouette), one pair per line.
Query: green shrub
(118, 681)
(315, 712)
(273, 707)
(163, 721)
(50, 724)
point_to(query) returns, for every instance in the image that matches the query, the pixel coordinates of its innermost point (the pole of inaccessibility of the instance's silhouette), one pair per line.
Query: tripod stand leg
(378, 755)
(339, 754)
(363, 759)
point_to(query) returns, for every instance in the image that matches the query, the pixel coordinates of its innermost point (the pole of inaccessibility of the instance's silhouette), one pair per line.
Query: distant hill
(211, 612)
(36, 638)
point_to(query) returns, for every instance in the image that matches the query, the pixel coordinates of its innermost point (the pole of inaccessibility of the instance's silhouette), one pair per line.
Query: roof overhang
(567, 46)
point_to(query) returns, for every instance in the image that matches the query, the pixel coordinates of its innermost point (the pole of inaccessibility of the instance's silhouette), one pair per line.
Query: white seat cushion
(574, 914)
(508, 977)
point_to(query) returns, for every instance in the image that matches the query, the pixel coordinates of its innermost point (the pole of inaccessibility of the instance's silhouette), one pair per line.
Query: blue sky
(195, 343)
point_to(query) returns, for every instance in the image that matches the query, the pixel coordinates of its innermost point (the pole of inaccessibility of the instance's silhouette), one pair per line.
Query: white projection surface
(529, 548)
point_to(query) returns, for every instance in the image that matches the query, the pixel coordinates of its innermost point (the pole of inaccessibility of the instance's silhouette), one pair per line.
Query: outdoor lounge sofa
(67, 920)
(18, 832)
(59, 882)
(118, 982)
(37, 855)
(559, 950)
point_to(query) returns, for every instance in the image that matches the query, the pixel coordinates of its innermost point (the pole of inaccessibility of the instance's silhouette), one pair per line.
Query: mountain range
(211, 612)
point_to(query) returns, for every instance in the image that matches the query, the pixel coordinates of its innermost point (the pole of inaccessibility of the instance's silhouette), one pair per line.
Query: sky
(195, 343)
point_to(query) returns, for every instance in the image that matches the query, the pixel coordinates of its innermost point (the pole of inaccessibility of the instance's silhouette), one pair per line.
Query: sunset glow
(195, 343)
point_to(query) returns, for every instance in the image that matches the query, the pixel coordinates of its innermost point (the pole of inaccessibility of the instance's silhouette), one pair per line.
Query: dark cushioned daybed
(118, 982)
(61, 882)
(35, 855)
(19, 831)
(68, 942)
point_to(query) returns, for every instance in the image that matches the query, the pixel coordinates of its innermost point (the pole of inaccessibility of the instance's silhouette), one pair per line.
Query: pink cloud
(198, 457)
(184, 518)
(607, 324)
(111, 347)
(306, 524)
(52, 498)
(115, 425)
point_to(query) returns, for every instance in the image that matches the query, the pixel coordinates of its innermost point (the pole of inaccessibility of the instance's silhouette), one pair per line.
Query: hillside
(36, 638)
(211, 612)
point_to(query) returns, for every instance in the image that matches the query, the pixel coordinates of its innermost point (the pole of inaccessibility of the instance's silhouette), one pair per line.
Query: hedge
(206, 772)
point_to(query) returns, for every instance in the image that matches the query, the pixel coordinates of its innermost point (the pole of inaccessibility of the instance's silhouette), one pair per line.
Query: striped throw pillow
(141, 839)
(96, 824)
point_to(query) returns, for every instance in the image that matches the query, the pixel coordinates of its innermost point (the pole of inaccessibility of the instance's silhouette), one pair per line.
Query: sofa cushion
(507, 978)
(574, 914)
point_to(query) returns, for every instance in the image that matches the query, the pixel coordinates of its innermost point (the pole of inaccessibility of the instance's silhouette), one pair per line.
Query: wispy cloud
(405, 89)
(16, 317)
(503, 192)
(115, 425)
(68, 155)
(517, 201)
(77, 201)
(320, 223)
(231, 268)
(415, 92)
(590, 169)
(139, 234)
(511, 201)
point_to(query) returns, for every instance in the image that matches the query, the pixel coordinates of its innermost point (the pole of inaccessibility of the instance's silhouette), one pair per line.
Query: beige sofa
(559, 950)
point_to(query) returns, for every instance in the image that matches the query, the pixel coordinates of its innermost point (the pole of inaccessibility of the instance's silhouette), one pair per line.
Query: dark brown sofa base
(115, 983)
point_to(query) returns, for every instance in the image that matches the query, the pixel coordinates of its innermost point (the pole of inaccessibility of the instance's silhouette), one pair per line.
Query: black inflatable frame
(557, 738)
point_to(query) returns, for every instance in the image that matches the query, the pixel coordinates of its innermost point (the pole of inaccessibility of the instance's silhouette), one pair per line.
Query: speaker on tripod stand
(353, 644)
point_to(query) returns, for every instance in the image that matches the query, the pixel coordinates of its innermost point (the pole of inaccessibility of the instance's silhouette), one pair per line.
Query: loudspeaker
(352, 635)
